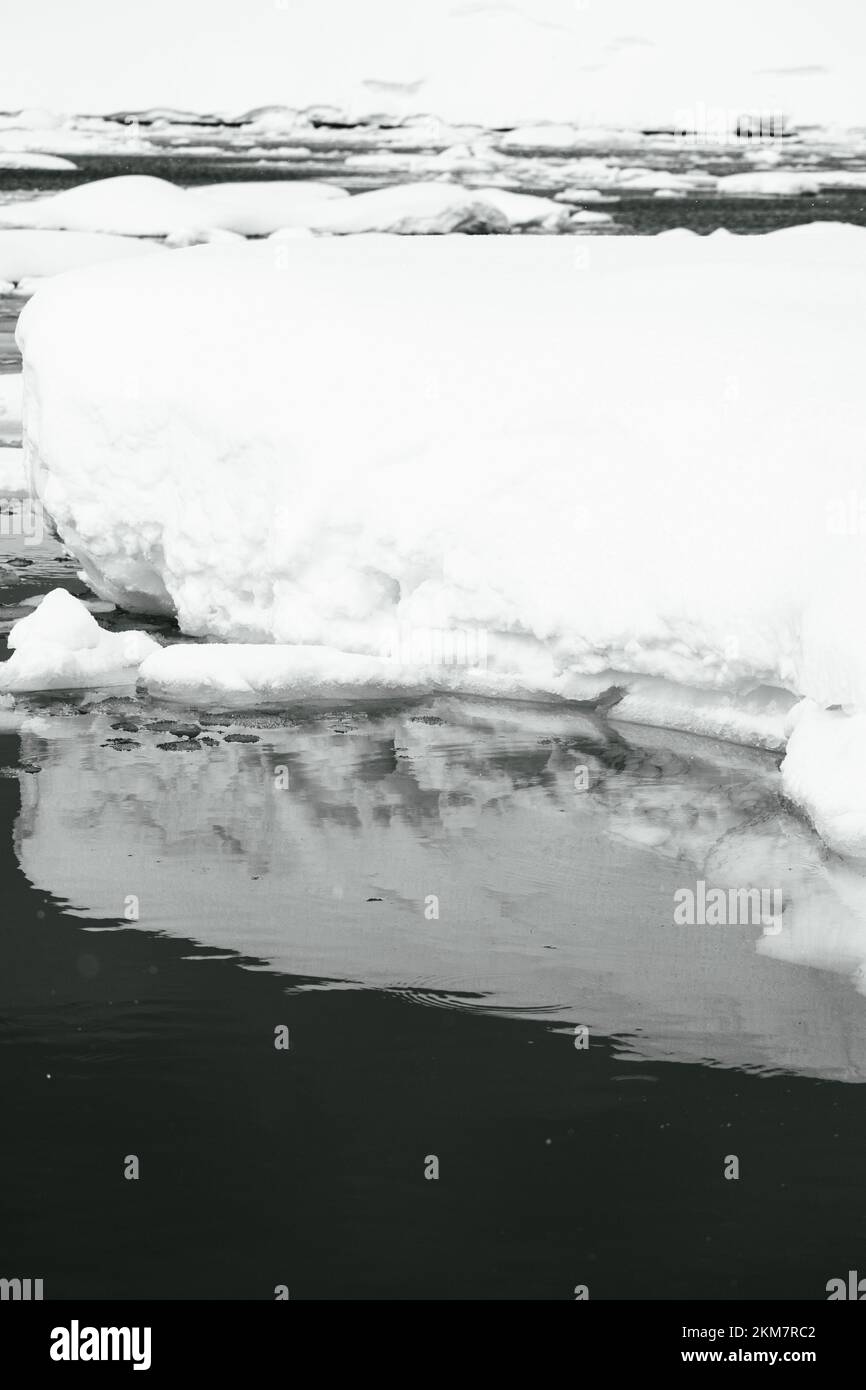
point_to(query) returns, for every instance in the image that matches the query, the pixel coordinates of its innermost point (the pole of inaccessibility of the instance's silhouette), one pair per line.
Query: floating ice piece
(130, 205)
(249, 673)
(823, 771)
(770, 183)
(10, 159)
(61, 646)
(551, 137)
(438, 208)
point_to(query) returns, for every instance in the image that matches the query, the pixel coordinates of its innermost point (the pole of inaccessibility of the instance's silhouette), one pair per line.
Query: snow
(553, 138)
(477, 463)
(29, 255)
(61, 646)
(770, 183)
(426, 208)
(823, 773)
(258, 209)
(790, 182)
(129, 205)
(142, 206)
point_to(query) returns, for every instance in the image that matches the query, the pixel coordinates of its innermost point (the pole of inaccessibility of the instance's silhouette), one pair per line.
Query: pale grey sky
(492, 60)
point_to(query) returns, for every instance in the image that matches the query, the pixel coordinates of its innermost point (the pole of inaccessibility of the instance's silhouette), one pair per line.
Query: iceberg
(490, 464)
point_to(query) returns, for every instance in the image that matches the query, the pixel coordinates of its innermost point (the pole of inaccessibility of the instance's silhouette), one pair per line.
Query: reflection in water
(326, 848)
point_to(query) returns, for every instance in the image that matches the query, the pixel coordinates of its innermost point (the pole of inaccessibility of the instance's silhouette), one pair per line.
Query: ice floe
(459, 460)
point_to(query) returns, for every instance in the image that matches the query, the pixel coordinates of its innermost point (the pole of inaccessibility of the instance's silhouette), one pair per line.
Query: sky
(629, 62)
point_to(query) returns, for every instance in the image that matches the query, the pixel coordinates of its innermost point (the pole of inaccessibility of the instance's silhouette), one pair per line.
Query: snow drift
(628, 471)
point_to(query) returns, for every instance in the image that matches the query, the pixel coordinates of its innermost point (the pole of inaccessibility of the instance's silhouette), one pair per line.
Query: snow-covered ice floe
(60, 646)
(27, 256)
(483, 464)
(9, 159)
(137, 205)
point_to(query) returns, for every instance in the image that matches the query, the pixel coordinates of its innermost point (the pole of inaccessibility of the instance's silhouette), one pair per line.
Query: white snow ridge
(488, 464)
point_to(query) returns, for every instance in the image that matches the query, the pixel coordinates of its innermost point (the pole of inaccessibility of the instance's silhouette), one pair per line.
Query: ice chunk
(437, 207)
(601, 470)
(130, 205)
(9, 159)
(61, 646)
(823, 771)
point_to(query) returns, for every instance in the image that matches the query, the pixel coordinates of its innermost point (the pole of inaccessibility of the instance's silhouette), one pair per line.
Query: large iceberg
(629, 468)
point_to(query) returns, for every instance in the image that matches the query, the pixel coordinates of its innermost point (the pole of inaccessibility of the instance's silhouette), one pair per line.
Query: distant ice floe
(51, 162)
(142, 206)
(47, 133)
(790, 182)
(426, 208)
(568, 465)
